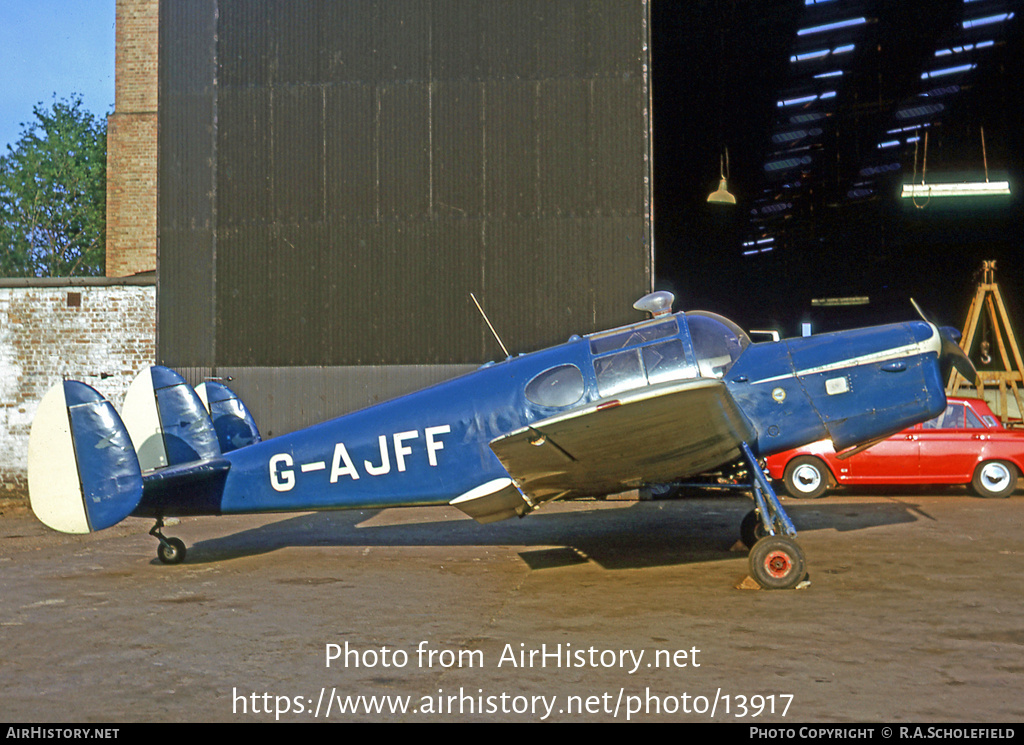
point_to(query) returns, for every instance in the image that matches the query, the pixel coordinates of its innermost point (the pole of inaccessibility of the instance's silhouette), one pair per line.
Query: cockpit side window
(619, 372)
(660, 362)
(666, 361)
(556, 387)
(632, 336)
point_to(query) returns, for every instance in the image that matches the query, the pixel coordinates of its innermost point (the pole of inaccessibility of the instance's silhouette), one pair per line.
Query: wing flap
(493, 501)
(651, 435)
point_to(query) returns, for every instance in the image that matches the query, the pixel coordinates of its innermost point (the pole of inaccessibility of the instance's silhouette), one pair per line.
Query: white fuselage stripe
(931, 344)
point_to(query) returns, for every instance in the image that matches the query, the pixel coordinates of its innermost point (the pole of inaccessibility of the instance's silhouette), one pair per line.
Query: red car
(965, 444)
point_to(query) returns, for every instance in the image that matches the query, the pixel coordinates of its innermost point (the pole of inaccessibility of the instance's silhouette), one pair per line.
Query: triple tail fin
(88, 467)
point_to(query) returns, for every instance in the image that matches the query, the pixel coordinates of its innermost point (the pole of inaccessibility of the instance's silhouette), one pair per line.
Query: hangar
(331, 180)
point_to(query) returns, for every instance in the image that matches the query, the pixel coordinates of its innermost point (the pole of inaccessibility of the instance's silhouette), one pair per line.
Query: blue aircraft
(649, 403)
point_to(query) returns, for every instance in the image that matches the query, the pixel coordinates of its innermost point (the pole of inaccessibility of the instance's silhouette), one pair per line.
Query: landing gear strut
(170, 550)
(776, 561)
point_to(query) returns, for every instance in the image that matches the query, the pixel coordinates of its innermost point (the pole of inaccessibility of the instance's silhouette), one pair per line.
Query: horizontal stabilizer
(167, 421)
(493, 501)
(186, 489)
(233, 423)
(82, 471)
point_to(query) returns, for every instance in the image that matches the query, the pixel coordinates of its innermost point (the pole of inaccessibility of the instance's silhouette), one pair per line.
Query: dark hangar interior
(823, 106)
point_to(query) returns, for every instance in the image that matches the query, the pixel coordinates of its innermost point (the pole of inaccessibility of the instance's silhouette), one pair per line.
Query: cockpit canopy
(665, 348)
(681, 346)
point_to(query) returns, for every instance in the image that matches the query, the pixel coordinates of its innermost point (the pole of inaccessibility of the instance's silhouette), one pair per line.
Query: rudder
(167, 421)
(232, 421)
(83, 474)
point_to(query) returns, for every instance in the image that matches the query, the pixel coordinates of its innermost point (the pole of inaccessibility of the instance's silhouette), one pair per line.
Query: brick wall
(132, 141)
(101, 334)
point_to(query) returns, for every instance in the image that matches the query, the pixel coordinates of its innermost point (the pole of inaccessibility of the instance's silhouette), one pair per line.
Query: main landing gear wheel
(807, 477)
(777, 563)
(994, 479)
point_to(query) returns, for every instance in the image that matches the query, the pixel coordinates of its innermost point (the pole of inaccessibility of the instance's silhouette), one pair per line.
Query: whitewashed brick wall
(102, 332)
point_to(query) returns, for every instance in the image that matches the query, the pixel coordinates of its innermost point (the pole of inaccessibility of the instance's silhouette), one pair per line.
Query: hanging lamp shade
(722, 195)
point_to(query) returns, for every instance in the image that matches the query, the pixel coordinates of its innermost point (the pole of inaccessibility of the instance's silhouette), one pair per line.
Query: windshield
(717, 342)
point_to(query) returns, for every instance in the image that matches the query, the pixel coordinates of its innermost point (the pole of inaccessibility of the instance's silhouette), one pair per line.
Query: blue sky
(54, 48)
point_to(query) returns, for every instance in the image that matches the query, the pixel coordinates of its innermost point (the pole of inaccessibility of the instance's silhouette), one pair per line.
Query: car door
(892, 461)
(950, 445)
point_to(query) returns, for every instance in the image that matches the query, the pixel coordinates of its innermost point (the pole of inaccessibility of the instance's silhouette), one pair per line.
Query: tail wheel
(171, 551)
(994, 479)
(807, 477)
(777, 563)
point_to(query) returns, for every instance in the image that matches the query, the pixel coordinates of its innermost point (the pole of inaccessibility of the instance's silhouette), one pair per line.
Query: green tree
(53, 195)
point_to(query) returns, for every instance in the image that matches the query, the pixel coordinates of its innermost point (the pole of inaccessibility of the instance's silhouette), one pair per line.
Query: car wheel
(807, 477)
(994, 479)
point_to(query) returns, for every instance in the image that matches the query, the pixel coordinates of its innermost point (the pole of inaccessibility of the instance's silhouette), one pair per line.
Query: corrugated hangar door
(335, 178)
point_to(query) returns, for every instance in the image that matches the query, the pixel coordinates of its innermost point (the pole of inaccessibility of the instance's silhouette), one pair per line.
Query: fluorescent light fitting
(916, 111)
(947, 71)
(805, 99)
(816, 54)
(832, 302)
(810, 116)
(911, 128)
(987, 20)
(796, 101)
(789, 136)
(832, 26)
(964, 189)
(964, 48)
(821, 53)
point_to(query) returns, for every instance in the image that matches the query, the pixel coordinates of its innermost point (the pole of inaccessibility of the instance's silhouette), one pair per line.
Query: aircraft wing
(650, 435)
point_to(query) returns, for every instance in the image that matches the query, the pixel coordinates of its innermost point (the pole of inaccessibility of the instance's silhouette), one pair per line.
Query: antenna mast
(488, 322)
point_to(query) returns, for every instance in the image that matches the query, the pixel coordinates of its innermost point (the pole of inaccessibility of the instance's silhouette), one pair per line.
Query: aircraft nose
(952, 354)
